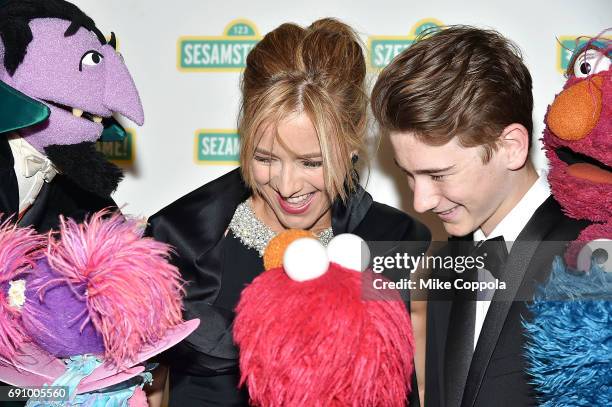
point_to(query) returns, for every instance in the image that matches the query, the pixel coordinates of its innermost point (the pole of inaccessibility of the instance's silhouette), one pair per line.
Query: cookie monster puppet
(569, 347)
(60, 83)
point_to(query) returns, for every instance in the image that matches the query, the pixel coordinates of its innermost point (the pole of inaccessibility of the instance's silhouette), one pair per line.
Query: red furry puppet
(570, 336)
(308, 337)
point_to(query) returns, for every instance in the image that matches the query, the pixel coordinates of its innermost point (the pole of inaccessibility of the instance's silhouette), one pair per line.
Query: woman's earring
(354, 173)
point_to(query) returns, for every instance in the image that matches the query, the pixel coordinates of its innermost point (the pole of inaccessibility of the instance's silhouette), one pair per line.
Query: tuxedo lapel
(459, 345)
(438, 319)
(515, 271)
(9, 190)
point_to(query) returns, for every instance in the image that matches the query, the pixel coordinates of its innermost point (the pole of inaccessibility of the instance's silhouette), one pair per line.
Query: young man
(457, 105)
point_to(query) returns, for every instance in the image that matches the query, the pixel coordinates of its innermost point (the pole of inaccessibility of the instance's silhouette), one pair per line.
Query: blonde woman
(302, 126)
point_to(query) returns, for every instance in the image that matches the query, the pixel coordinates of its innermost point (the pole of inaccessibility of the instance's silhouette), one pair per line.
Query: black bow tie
(494, 253)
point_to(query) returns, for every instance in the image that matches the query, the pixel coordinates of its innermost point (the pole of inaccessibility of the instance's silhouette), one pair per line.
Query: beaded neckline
(255, 234)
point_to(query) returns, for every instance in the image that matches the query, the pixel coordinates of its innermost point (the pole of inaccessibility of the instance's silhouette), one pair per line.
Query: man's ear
(514, 142)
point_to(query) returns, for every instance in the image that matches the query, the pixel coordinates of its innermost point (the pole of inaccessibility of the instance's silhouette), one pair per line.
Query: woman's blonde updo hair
(319, 71)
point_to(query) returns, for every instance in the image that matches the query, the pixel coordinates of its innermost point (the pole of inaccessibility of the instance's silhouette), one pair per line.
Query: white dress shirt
(510, 227)
(32, 169)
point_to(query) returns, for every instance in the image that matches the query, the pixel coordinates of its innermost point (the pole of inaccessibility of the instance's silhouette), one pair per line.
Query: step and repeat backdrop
(186, 57)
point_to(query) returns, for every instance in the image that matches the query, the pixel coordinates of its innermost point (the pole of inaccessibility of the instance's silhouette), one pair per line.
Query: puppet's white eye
(597, 252)
(305, 259)
(349, 251)
(90, 58)
(590, 63)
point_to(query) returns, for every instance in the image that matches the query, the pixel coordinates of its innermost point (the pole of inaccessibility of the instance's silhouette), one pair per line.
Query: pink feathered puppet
(307, 335)
(85, 307)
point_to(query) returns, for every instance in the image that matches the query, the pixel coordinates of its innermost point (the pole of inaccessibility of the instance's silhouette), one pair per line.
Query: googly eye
(305, 259)
(590, 62)
(90, 58)
(349, 251)
(596, 253)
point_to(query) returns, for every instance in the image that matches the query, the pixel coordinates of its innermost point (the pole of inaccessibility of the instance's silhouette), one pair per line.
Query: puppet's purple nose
(120, 94)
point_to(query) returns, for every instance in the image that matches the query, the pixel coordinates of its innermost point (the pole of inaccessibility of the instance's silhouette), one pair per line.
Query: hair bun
(333, 49)
(275, 53)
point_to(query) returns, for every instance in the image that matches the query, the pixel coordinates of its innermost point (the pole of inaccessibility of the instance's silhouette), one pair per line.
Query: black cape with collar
(59, 197)
(496, 375)
(195, 224)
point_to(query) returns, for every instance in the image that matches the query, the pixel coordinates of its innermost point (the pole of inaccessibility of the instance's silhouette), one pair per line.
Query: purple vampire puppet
(60, 83)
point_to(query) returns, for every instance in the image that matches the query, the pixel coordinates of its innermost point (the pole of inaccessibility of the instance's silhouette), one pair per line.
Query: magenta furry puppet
(310, 335)
(570, 335)
(578, 143)
(85, 307)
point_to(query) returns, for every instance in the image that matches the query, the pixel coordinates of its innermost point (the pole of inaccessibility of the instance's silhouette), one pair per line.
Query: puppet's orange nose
(273, 255)
(575, 112)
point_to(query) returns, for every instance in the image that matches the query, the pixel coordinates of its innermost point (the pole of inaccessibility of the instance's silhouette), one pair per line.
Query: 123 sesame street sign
(226, 52)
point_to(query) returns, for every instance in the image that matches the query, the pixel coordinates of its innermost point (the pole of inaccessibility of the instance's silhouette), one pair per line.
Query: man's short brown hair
(460, 82)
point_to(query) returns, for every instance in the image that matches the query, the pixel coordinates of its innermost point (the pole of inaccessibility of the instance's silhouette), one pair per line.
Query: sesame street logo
(227, 52)
(217, 147)
(119, 152)
(566, 45)
(383, 48)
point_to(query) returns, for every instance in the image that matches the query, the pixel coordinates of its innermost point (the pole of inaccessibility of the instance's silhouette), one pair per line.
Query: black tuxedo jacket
(496, 375)
(195, 225)
(59, 197)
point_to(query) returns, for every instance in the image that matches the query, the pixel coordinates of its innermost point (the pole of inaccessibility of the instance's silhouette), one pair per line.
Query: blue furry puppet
(570, 337)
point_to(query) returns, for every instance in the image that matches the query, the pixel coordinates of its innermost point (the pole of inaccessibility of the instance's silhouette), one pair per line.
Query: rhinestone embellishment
(255, 234)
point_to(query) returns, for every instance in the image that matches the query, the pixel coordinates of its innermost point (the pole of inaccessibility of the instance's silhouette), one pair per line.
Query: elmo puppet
(310, 333)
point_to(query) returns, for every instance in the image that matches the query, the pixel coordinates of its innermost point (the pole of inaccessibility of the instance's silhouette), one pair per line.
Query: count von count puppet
(60, 83)
(570, 337)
